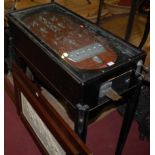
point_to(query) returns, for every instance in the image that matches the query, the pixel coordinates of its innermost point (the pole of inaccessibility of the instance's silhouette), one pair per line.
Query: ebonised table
(84, 91)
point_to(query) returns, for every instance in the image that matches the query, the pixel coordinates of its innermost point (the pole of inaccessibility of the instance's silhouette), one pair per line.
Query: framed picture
(50, 132)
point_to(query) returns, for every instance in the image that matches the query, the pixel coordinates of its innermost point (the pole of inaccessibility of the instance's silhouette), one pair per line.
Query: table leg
(128, 118)
(81, 122)
(131, 19)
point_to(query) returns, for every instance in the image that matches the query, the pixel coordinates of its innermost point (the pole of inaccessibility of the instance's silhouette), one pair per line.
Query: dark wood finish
(69, 141)
(76, 86)
(128, 117)
(50, 69)
(9, 88)
(81, 122)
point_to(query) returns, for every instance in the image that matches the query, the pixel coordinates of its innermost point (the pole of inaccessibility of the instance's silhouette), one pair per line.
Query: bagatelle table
(87, 66)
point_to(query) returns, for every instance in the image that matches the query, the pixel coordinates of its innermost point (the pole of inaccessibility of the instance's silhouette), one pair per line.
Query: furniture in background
(136, 5)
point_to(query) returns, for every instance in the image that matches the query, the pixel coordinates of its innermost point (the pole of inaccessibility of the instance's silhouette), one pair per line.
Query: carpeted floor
(17, 140)
(102, 135)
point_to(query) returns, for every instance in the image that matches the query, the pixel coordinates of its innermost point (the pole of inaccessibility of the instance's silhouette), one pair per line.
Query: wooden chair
(136, 5)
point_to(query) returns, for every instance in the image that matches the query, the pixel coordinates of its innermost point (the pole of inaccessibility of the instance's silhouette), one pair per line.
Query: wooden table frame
(82, 110)
(81, 122)
(130, 96)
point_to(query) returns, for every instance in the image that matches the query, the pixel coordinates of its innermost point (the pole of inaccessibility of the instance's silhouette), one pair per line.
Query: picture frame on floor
(50, 132)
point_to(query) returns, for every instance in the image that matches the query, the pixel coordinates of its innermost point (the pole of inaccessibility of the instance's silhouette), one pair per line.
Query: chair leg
(131, 19)
(99, 11)
(89, 2)
(146, 32)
